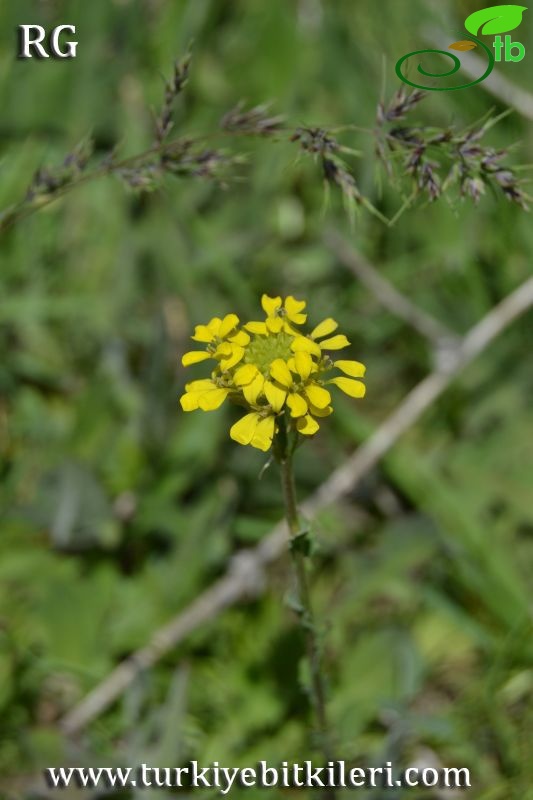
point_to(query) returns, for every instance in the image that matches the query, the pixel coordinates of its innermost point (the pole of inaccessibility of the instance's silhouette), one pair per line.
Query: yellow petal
(201, 385)
(320, 412)
(274, 395)
(270, 304)
(349, 386)
(241, 338)
(202, 333)
(257, 327)
(335, 343)
(304, 345)
(293, 309)
(236, 356)
(223, 350)
(307, 425)
(293, 306)
(352, 368)
(303, 363)
(214, 325)
(297, 405)
(281, 373)
(264, 433)
(245, 375)
(324, 328)
(210, 401)
(291, 363)
(229, 322)
(194, 357)
(274, 324)
(317, 395)
(189, 401)
(288, 328)
(243, 430)
(252, 391)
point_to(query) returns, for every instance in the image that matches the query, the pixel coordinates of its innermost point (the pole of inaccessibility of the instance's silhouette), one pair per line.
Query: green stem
(306, 615)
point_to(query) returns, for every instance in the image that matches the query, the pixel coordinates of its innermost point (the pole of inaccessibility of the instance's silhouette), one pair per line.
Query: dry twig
(387, 294)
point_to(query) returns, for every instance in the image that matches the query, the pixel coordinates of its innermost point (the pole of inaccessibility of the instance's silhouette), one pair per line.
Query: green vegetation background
(118, 509)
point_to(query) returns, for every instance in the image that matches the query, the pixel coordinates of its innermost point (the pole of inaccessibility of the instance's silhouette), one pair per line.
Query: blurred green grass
(117, 509)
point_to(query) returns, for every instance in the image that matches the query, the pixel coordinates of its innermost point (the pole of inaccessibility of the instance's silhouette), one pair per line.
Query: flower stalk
(300, 549)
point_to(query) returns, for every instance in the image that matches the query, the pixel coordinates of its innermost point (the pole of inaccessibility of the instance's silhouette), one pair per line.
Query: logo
(492, 21)
(31, 37)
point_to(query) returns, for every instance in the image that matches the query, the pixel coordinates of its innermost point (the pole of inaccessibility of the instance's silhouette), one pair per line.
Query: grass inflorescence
(420, 161)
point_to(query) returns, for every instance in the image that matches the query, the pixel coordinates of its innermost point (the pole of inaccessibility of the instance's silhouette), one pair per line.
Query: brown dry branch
(387, 294)
(246, 575)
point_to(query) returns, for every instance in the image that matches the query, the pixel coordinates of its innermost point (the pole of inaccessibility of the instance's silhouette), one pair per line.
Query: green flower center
(263, 350)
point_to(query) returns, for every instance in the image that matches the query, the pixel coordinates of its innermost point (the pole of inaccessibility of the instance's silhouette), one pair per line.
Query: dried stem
(387, 294)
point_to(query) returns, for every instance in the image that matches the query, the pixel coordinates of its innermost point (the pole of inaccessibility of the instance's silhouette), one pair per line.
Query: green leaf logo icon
(496, 19)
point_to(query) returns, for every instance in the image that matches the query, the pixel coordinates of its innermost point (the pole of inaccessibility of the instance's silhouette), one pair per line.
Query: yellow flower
(254, 429)
(272, 370)
(224, 342)
(204, 394)
(280, 314)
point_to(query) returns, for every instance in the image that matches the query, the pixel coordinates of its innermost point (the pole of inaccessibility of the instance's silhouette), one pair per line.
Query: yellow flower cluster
(271, 368)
